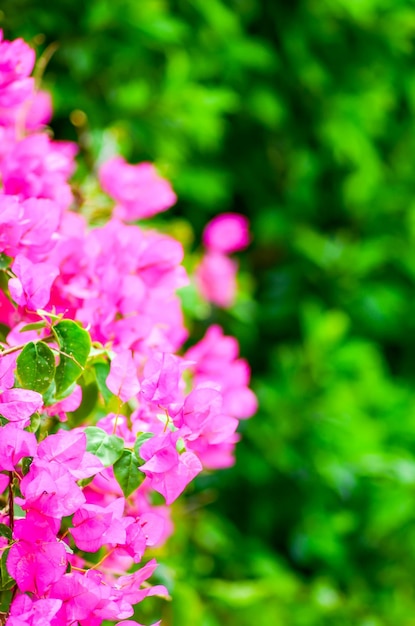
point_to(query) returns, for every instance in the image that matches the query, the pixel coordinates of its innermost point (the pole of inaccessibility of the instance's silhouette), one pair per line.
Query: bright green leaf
(89, 400)
(6, 581)
(33, 326)
(127, 473)
(75, 344)
(108, 448)
(35, 422)
(5, 261)
(101, 371)
(139, 442)
(36, 366)
(5, 531)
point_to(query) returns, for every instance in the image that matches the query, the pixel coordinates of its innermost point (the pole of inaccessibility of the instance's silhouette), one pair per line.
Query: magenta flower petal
(227, 233)
(122, 379)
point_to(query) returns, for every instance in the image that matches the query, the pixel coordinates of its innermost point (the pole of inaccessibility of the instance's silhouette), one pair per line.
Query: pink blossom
(159, 261)
(35, 562)
(51, 488)
(138, 189)
(11, 224)
(16, 63)
(80, 596)
(135, 540)
(25, 611)
(122, 379)
(15, 444)
(69, 449)
(7, 367)
(31, 287)
(39, 112)
(168, 471)
(94, 526)
(41, 221)
(216, 279)
(154, 528)
(128, 587)
(215, 348)
(37, 167)
(216, 362)
(162, 378)
(17, 405)
(228, 232)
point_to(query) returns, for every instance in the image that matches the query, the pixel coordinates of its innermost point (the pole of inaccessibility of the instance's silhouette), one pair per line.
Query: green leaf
(101, 371)
(4, 331)
(5, 261)
(89, 400)
(33, 326)
(108, 448)
(36, 366)
(139, 442)
(35, 422)
(26, 463)
(49, 395)
(5, 531)
(6, 598)
(75, 344)
(127, 473)
(6, 581)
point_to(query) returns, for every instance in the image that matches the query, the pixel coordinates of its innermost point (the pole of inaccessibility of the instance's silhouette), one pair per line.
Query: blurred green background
(300, 115)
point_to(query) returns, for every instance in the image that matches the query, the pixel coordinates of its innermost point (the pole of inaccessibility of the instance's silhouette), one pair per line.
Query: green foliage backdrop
(301, 115)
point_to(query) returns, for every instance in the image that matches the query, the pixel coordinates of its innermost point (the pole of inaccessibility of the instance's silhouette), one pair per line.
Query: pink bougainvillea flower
(15, 444)
(162, 378)
(11, 224)
(17, 59)
(80, 596)
(39, 111)
(94, 525)
(25, 611)
(17, 405)
(38, 167)
(51, 488)
(31, 287)
(69, 449)
(213, 349)
(159, 261)
(7, 366)
(154, 528)
(216, 279)
(227, 233)
(216, 360)
(200, 406)
(36, 559)
(128, 587)
(41, 221)
(168, 471)
(138, 189)
(122, 379)
(135, 539)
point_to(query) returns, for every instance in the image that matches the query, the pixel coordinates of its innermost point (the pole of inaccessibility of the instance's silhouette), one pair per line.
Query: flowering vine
(99, 406)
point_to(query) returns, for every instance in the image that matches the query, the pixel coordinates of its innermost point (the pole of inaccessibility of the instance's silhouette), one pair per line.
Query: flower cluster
(78, 477)
(216, 273)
